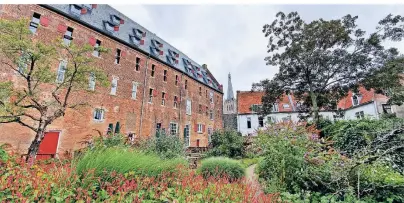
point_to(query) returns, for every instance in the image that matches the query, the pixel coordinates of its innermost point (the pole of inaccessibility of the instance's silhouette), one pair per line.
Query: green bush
(123, 161)
(227, 143)
(3, 153)
(221, 167)
(249, 161)
(166, 146)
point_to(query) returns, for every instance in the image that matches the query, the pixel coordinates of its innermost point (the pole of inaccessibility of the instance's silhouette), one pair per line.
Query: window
(360, 115)
(271, 119)
(186, 84)
(248, 122)
(211, 97)
(200, 108)
(117, 56)
(211, 114)
(207, 111)
(99, 114)
(286, 106)
(275, 107)
(188, 107)
(61, 71)
(206, 93)
(163, 98)
(91, 83)
(256, 107)
(176, 80)
(137, 63)
(355, 100)
(153, 69)
(96, 46)
(165, 76)
(387, 108)
(260, 121)
(33, 25)
(151, 95)
(210, 131)
(286, 119)
(67, 38)
(158, 126)
(173, 128)
(76, 10)
(134, 90)
(186, 135)
(175, 101)
(114, 85)
(200, 128)
(200, 91)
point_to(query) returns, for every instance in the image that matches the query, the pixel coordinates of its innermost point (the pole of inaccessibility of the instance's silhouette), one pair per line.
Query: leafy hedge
(227, 143)
(123, 160)
(221, 167)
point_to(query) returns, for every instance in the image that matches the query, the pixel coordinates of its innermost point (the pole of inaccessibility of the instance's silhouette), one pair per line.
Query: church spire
(230, 94)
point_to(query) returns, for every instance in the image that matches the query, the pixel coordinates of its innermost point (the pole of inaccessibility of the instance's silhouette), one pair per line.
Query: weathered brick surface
(78, 126)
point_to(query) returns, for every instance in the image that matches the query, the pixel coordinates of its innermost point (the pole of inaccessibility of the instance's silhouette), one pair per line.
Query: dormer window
(88, 6)
(75, 9)
(157, 43)
(156, 51)
(355, 100)
(139, 33)
(110, 27)
(116, 20)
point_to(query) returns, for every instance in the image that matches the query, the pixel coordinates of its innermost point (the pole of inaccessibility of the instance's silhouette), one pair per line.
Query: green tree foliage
(227, 143)
(166, 146)
(319, 61)
(41, 99)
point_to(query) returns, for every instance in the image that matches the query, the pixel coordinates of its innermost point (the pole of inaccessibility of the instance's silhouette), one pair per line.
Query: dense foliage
(320, 61)
(302, 166)
(121, 160)
(61, 183)
(227, 143)
(220, 167)
(166, 146)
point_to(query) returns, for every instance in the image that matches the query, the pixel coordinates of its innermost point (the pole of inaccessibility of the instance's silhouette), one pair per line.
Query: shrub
(249, 161)
(227, 143)
(3, 152)
(221, 167)
(123, 161)
(166, 146)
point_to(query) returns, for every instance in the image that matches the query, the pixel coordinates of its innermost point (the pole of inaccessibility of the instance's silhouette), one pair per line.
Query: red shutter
(177, 55)
(122, 21)
(160, 45)
(83, 11)
(142, 42)
(203, 128)
(116, 28)
(62, 28)
(123, 53)
(196, 127)
(165, 96)
(94, 6)
(161, 53)
(144, 34)
(92, 41)
(154, 93)
(44, 21)
(176, 61)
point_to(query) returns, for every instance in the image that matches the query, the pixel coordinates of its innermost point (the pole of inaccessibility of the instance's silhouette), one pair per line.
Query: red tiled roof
(247, 98)
(366, 96)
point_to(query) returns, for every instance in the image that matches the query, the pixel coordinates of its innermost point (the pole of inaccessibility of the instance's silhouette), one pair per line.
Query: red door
(48, 146)
(197, 143)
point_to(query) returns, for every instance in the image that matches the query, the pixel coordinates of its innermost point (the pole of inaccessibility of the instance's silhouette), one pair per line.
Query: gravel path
(251, 177)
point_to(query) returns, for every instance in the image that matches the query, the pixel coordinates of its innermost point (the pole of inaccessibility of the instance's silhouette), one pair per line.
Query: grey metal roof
(104, 17)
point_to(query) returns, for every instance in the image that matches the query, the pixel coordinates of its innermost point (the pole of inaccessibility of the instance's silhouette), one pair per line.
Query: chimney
(205, 66)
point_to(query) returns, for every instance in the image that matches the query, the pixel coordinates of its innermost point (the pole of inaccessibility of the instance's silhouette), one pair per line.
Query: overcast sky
(229, 39)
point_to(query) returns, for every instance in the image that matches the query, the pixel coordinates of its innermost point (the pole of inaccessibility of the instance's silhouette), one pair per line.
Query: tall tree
(44, 95)
(319, 61)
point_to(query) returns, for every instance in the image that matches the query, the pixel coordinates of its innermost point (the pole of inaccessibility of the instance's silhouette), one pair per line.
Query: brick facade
(134, 115)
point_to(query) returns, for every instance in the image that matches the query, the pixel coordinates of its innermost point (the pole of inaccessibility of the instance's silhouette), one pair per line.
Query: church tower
(230, 104)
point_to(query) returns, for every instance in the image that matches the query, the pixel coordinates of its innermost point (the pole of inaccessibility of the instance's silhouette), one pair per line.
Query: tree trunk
(34, 147)
(315, 109)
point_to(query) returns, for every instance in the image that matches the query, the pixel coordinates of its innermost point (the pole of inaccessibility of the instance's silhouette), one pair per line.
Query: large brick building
(154, 85)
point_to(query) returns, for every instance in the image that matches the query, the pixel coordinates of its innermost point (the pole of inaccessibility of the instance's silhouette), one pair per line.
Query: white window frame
(101, 113)
(357, 100)
(260, 118)
(163, 100)
(286, 106)
(173, 131)
(175, 102)
(114, 85)
(68, 33)
(275, 107)
(60, 76)
(96, 53)
(200, 128)
(118, 56)
(211, 114)
(34, 21)
(360, 114)
(211, 97)
(134, 89)
(151, 95)
(91, 81)
(188, 107)
(249, 120)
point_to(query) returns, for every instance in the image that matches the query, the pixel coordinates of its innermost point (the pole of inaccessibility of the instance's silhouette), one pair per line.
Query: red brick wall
(78, 126)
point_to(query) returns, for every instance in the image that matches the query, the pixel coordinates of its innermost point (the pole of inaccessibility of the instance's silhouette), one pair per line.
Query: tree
(44, 96)
(227, 143)
(319, 61)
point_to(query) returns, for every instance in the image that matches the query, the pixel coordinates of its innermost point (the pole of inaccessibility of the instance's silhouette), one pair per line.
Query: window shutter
(160, 45)
(142, 42)
(122, 21)
(62, 28)
(44, 21)
(161, 53)
(92, 41)
(83, 11)
(196, 127)
(94, 5)
(177, 55)
(203, 128)
(176, 61)
(154, 93)
(144, 34)
(116, 28)
(123, 53)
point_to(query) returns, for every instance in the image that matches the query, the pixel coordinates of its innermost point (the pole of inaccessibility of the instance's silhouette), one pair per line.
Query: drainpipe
(144, 94)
